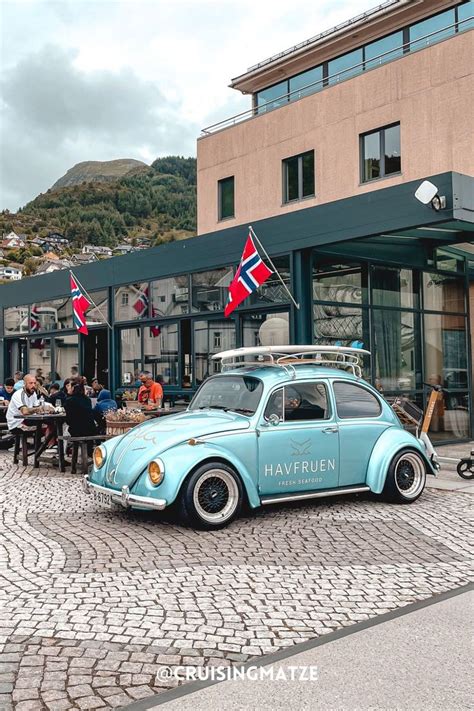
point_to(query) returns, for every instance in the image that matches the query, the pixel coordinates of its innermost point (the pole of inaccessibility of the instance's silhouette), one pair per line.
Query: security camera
(427, 193)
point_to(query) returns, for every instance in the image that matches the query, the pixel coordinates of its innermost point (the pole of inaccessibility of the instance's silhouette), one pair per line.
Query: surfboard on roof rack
(290, 356)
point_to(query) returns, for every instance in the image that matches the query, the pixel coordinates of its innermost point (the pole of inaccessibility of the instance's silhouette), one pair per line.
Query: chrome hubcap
(410, 475)
(215, 496)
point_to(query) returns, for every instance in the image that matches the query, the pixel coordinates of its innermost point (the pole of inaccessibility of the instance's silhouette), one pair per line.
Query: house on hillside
(10, 273)
(13, 241)
(97, 249)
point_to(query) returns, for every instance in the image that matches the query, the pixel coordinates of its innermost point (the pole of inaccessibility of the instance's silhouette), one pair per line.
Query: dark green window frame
(297, 183)
(383, 169)
(226, 198)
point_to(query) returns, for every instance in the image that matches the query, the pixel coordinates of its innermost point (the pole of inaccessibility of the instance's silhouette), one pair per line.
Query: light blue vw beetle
(279, 423)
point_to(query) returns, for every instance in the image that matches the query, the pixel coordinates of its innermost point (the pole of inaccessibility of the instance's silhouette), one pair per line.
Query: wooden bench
(21, 440)
(81, 444)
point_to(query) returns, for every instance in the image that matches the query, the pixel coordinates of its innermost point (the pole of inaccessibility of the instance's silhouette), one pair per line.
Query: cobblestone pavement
(93, 603)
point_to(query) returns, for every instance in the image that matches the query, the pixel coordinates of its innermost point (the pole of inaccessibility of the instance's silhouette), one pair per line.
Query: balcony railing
(349, 73)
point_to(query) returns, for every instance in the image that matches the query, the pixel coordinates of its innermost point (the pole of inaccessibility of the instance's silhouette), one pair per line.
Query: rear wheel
(406, 477)
(212, 496)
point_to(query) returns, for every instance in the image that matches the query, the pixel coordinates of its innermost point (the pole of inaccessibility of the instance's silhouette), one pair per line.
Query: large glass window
(260, 329)
(209, 290)
(441, 25)
(132, 301)
(16, 319)
(380, 153)
(226, 198)
(211, 337)
(98, 312)
(274, 96)
(466, 16)
(443, 293)
(298, 177)
(66, 357)
(337, 325)
(345, 67)
(396, 350)
(51, 315)
(343, 283)
(170, 297)
(446, 350)
(130, 356)
(390, 47)
(273, 291)
(161, 353)
(393, 287)
(299, 83)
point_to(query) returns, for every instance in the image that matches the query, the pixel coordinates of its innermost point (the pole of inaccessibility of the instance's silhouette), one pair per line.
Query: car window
(299, 401)
(229, 392)
(354, 401)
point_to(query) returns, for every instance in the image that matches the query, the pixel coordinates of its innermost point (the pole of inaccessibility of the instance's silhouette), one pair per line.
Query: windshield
(239, 393)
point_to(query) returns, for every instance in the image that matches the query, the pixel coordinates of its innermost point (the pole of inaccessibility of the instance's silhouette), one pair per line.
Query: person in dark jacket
(104, 404)
(79, 415)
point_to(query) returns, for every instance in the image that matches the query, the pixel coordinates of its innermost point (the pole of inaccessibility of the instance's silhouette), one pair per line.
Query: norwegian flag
(35, 323)
(251, 274)
(142, 304)
(80, 304)
(142, 307)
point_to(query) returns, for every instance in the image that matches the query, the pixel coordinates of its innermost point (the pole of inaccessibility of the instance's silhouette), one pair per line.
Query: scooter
(465, 467)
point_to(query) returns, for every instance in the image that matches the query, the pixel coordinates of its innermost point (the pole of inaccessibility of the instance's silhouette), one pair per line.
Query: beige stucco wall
(431, 93)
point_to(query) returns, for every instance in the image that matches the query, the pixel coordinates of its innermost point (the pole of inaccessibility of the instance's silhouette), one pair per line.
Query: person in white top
(24, 402)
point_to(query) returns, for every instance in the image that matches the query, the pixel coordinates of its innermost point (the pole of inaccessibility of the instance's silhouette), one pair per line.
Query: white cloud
(96, 80)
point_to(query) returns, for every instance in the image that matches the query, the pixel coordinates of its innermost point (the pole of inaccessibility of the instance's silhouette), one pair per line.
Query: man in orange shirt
(150, 393)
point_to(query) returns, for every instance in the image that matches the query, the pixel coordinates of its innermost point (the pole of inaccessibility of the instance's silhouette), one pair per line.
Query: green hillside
(158, 202)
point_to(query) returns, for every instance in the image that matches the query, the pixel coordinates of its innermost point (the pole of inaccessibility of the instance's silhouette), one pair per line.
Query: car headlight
(156, 471)
(99, 456)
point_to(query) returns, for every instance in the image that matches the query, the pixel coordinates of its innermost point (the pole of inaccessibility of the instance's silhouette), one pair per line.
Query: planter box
(118, 428)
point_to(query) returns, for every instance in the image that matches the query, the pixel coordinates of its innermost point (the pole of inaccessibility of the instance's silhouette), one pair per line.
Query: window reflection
(266, 329)
(132, 301)
(343, 283)
(393, 287)
(443, 293)
(40, 358)
(419, 32)
(209, 290)
(66, 358)
(344, 67)
(130, 356)
(98, 312)
(160, 353)
(273, 291)
(16, 319)
(211, 337)
(300, 81)
(396, 350)
(277, 95)
(170, 296)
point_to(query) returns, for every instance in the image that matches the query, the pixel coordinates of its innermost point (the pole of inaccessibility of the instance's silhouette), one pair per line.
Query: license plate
(102, 499)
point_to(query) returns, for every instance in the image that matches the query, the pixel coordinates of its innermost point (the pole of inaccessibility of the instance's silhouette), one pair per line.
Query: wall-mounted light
(428, 194)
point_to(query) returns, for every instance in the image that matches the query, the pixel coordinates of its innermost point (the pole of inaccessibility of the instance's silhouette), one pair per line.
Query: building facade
(341, 132)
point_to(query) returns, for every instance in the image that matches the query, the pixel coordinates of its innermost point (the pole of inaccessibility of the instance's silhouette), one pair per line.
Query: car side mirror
(274, 419)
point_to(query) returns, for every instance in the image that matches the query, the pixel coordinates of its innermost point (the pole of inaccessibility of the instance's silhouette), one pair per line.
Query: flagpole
(89, 297)
(274, 267)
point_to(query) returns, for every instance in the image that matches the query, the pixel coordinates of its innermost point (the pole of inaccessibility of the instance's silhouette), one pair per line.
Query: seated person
(79, 415)
(24, 402)
(104, 404)
(6, 391)
(56, 394)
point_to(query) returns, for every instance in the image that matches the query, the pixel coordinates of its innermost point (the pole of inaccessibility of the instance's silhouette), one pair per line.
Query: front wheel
(406, 477)
(212, 496)
(465, 468)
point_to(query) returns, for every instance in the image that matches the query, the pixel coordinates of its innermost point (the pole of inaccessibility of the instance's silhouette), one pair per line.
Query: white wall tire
(212, 496)
(406, 477)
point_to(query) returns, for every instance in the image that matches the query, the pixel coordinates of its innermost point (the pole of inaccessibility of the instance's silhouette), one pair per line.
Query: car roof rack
(288, 357)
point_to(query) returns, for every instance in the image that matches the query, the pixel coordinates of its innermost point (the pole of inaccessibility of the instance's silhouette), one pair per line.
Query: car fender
(391, 441)
(179, 461)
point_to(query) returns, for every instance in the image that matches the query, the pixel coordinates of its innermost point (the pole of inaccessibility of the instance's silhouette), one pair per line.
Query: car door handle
(330, 430)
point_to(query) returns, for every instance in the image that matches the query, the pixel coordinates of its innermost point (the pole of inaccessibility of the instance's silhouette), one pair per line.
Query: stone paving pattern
(93, 603)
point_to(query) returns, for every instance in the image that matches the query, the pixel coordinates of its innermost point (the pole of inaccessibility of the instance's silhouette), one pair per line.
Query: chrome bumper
(124, 497)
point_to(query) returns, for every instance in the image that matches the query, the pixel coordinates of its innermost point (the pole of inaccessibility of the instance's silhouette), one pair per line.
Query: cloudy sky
(103, 79)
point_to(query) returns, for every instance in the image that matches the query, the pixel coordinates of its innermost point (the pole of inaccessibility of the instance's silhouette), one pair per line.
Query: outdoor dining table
(49, 418)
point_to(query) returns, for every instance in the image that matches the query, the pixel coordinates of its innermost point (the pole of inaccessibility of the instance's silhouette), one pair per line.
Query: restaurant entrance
(96, 356)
